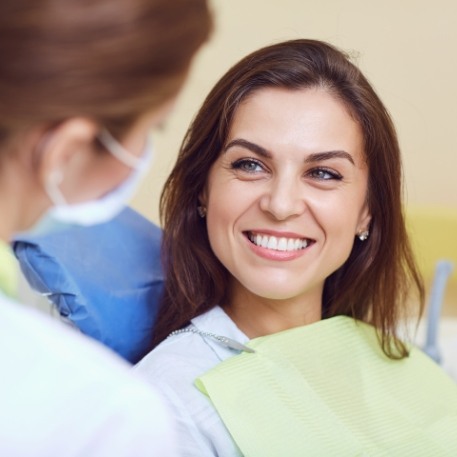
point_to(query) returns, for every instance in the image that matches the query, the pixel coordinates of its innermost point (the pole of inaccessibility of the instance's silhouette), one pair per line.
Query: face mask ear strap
(118, 151)
(53, 180)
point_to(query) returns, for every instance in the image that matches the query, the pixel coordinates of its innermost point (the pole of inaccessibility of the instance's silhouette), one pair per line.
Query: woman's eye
(323, 174)
(248, 165)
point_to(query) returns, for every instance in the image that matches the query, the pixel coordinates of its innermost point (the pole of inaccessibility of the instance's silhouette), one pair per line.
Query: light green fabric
(327, 389)
(8, 271)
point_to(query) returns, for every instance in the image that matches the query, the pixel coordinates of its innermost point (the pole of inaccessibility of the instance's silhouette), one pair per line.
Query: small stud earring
(363, 235)
(201, 210)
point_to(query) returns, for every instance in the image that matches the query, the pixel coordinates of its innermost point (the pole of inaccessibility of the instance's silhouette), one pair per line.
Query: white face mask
(100, 210)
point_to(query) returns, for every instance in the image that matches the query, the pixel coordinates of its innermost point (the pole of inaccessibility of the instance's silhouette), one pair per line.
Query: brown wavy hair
(375, 282)
(109, 60)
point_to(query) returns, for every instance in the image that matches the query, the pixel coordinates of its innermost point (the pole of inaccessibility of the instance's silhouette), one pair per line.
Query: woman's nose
(283, 198)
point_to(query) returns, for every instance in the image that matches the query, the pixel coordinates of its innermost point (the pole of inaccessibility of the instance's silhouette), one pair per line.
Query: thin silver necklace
(225, 341)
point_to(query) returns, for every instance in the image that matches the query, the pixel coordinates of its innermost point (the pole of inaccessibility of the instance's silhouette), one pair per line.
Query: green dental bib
(327, 389)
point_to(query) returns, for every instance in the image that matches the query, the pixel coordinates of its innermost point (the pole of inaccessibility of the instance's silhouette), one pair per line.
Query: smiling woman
(291, 185)
(262, 106)
(288, 270)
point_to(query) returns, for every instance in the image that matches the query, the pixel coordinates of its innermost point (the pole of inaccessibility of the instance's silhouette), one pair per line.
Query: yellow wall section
(433, 231)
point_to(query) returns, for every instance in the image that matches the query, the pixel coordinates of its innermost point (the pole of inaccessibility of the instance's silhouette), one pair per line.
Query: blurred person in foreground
(82, 83)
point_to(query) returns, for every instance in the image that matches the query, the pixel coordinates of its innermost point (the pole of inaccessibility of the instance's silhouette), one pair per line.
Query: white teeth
(256, 239)
(264, 241)
(282, 244)
(272, 242)
(278, 244)
(291, 245)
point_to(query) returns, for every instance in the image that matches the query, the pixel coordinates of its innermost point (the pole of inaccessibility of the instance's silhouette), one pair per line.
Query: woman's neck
(257, 316)
(8, 214)
(11, 207)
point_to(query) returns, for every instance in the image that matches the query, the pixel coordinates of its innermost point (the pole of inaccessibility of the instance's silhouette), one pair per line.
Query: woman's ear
(202, 204)
(64, 146)
(203, 198)
(365, 219)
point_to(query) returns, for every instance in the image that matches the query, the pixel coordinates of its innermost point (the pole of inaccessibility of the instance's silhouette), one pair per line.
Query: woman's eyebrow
(320, 156)
(259, 150)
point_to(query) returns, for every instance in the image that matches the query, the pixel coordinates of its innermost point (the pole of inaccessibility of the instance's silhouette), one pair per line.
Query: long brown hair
(374, 283)
(110, 60)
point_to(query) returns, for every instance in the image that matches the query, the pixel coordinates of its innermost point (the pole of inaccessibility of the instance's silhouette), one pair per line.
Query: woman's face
(287, 195)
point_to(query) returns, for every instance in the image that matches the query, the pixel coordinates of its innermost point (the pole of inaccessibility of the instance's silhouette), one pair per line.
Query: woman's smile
(277, 246)
(280, 242)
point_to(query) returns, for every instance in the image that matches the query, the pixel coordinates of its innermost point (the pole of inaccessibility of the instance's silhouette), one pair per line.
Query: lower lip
(271, 254)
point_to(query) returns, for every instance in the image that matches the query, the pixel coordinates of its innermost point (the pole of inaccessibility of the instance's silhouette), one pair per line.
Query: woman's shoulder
(184, 353)
(172, 368)
(191, 351)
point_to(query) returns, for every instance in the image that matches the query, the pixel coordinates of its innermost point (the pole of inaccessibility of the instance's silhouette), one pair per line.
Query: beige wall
(407, 48)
